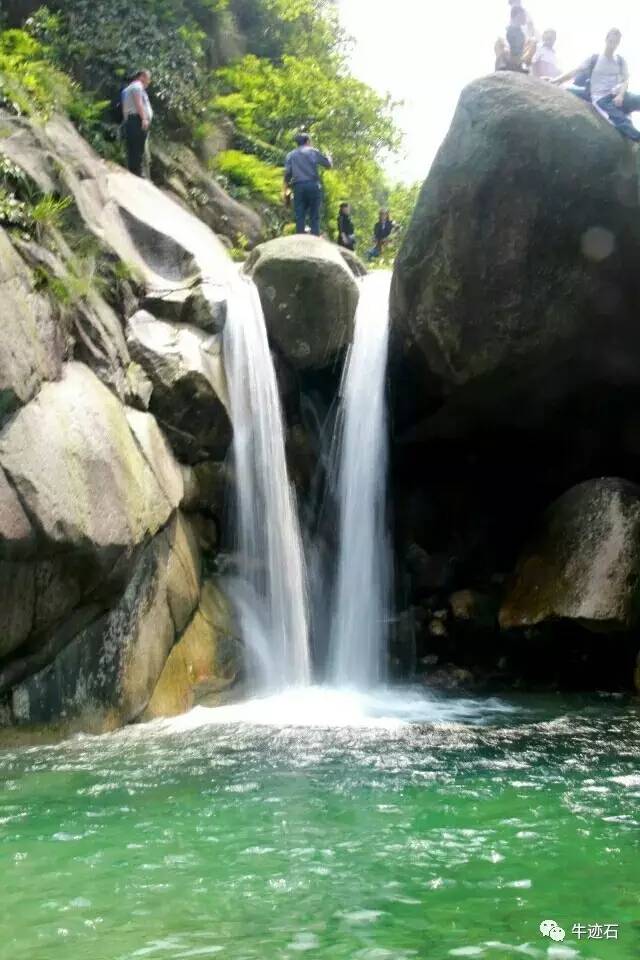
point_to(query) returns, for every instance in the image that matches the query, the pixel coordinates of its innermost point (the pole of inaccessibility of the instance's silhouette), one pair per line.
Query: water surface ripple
(379, 839)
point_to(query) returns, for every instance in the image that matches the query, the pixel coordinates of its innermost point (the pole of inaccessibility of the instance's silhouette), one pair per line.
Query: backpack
(583, 77)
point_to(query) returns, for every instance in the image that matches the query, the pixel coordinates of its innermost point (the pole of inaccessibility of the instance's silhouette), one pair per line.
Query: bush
(245, 170)
(29, 84)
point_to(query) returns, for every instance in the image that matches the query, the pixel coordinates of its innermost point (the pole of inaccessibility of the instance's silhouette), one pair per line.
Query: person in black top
(382, 231)
(346, 232)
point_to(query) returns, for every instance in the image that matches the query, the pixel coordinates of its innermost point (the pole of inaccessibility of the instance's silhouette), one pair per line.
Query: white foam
(323, 707)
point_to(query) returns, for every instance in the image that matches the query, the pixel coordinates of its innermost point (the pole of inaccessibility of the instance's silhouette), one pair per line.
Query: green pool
(330, 826)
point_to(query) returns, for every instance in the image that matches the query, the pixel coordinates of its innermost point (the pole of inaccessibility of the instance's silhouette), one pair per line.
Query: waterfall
(362, 590)
(269, 592)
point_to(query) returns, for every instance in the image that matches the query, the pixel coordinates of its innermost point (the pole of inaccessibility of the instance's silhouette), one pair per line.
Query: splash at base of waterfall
(335, 708)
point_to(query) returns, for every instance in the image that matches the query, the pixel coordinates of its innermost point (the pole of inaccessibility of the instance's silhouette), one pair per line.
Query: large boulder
(517, 281)
(189, 395)
(84, 484)
(81, 476)
(309, 297)
(584, 563)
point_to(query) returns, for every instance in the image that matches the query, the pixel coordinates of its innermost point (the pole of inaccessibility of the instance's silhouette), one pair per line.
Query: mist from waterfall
(269, 591)
(363, 585)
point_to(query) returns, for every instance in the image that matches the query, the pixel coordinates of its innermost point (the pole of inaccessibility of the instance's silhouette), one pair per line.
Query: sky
(424, 52)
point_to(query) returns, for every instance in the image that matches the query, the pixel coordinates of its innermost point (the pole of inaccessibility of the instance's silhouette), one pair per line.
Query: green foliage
(29, 84)
(23, 206)
(273, 101)
(80, 281)
(269, 102)
(14, 210)
(103, 42)
(294, 74)
(254, 175)
(305, 28)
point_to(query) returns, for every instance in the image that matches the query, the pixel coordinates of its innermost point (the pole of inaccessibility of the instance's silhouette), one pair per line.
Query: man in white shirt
(606, 80)
(544, 64)
(138, 114)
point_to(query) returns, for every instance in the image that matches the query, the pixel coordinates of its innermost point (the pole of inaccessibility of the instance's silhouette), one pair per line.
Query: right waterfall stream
(362, 589)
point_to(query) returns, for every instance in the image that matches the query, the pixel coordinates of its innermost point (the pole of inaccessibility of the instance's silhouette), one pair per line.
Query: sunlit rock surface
(584, 563)
(309, 297)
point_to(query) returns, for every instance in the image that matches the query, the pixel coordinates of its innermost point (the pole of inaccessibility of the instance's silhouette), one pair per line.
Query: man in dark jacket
(301, 172)
(381, 232)
(346, 232)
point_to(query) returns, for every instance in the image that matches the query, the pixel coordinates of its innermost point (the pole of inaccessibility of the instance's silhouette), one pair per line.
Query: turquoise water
(366, 837)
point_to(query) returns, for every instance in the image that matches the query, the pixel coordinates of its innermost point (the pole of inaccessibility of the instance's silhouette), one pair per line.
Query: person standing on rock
(604, 79)
(529, 28)
(137, 116)
(346, 231)
(302, 174)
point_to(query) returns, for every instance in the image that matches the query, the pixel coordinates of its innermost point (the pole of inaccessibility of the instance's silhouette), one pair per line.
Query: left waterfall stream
(269, 590)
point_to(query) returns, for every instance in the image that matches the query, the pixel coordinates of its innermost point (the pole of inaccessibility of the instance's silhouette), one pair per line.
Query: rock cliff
(515, 376)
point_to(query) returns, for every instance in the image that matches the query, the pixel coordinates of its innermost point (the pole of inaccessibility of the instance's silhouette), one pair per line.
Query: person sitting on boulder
(544, 64)
(137, 116)
(381, 232)
(346, 232)
(302, 174)
(516, 51)
(604, 80)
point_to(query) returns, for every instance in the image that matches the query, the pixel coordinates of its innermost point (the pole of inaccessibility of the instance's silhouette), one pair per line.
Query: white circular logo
(549, 928)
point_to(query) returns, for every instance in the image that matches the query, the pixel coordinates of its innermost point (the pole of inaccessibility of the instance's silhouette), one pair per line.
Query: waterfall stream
(269, 592)
(362, 589)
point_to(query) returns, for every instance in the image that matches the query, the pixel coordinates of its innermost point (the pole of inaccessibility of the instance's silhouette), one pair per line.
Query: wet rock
(207, 652)
(206, 485)
(189, 395)
(105, 675)
(309, 297)
(183, 571)
(203, 306)
(584, 563)
(472, 606)
(353, 261)
(428, 571)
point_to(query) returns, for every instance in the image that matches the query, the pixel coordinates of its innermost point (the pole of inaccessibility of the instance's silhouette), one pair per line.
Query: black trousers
(135, 139)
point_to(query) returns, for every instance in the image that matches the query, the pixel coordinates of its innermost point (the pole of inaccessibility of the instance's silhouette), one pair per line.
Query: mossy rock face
(309, 297)
(516, 282)
(584, 565)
